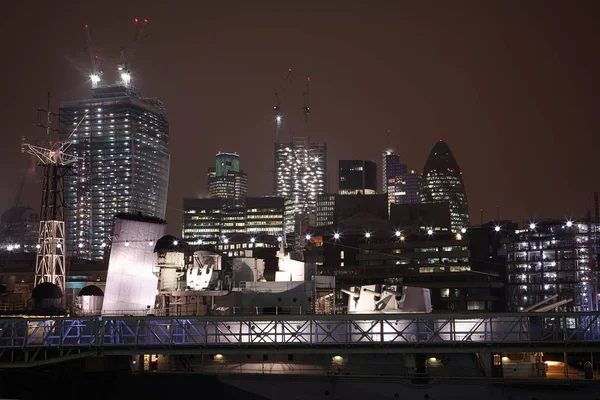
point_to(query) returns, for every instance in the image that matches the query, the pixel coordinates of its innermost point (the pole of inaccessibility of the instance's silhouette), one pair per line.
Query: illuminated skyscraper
(123, 141)
(300, 173)
(400, 184)
(226, 180)
(442, 183)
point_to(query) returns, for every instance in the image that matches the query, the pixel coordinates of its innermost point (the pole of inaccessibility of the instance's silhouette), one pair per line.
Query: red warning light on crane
(145, 21)
(86, 26)
(135, 20)
(309, 78)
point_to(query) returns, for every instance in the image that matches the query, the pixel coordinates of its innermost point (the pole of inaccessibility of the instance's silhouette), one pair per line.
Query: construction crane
(128, 54)
(50, 259)
(277, 108)
(305, 108)
(95, 70)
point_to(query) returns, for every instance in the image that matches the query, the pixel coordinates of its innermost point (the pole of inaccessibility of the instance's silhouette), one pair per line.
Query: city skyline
(516, 94)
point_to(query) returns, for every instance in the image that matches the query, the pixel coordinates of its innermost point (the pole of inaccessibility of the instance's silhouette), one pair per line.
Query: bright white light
(463, 230)
(199, 241)
(532, 226)
(336, 236)
(125, 77)
(17, 246)
(307, 237)
(175, 242)
(150, 243)
(103, 245)
(95, 78)
(10, 247)
(38, 246)
(430, 232)
(569, 224)
(458, 236)
(398, 233)
(252, 240)
(279, 118)
(126, 244)
(497, 228)
(225, 240)
(368, 235)
(58, 246)
(279, 238)
(80, 245)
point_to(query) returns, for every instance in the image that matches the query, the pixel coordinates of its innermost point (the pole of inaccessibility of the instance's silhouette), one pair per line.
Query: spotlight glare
(463, 230)
(430, 232)
(497, 228)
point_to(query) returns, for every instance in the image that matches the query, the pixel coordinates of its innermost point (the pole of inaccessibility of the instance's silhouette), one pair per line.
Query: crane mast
(95, 71)
(305, 95)
(277, 108)
(128, 54)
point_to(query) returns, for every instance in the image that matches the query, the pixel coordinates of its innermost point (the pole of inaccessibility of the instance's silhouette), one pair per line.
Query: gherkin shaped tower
(442, 183)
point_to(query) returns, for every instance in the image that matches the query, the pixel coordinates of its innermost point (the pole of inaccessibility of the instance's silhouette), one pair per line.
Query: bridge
(27, 339)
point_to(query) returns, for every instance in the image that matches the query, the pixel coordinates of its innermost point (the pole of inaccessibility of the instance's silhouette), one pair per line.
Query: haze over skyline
(512, 88)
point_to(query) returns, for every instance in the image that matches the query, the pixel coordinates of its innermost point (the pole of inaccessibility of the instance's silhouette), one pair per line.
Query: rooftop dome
(91, 290)
(169, 243)
(46, 290)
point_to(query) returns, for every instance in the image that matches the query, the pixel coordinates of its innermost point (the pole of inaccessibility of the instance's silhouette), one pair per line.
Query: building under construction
(122, 146)
(553, 258)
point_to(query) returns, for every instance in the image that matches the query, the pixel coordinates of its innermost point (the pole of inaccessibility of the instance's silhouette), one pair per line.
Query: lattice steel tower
(50, 260)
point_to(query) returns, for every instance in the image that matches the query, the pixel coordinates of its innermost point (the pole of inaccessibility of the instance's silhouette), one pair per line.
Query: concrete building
(334, 208)
(357, 177)
(442, 183)
(226, 180)
(123, 142)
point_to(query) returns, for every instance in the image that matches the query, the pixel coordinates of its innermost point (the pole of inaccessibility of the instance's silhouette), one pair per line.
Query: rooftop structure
(357, 177)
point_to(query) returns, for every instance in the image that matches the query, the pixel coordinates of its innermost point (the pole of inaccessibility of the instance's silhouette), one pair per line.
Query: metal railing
(423, 330)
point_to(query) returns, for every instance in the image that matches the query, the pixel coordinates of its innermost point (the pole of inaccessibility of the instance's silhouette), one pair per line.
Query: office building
(123, 142)
(214, 221)
(442, 183)
(357, 177)
(553, 257)
(301, 173)
(399, 183)
(335, 208)
(226, 180)
(19, 228)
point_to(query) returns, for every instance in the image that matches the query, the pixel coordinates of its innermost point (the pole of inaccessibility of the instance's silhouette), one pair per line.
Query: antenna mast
(50, 259)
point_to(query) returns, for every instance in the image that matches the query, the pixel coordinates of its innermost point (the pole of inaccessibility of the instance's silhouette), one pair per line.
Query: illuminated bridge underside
(353, 333)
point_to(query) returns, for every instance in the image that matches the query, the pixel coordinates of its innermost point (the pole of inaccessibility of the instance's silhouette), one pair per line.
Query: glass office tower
(123, 142)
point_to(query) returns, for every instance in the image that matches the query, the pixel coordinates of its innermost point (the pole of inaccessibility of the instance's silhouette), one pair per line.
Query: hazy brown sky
(511, 86)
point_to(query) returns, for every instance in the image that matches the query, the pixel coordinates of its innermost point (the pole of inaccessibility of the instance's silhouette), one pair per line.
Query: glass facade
(123, 142)
(400, 184)
(357, 177)
(325, 209)
(442, 183)
(300, 173)
(551, 258)
(213, 220)
(226, 180)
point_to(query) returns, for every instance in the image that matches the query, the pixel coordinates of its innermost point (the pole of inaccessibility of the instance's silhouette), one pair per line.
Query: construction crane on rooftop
(305, 95)
(128, 53)
(277, 108)
(95, 70)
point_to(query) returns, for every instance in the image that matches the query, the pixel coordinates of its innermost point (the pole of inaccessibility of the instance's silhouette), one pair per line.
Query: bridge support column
(486, 362)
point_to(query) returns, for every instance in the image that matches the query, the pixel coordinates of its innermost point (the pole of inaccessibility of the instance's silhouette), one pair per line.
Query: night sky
(512, 87)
